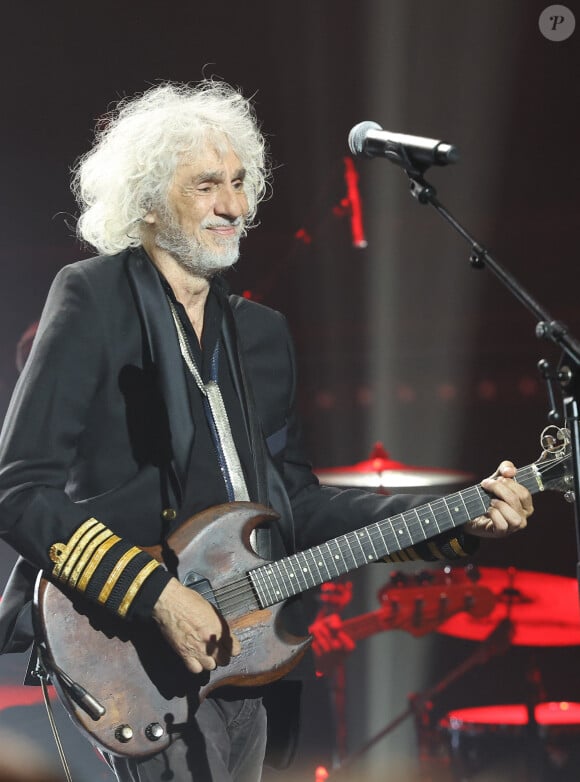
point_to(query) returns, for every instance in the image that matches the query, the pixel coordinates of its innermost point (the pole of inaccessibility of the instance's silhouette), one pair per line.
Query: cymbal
(382, 472)
(544, 609)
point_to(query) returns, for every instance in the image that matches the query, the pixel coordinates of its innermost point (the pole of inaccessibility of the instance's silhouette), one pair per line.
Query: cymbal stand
(420, 704)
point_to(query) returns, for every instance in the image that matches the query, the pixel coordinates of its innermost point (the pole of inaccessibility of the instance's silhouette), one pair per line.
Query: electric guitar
(417, 608)
(142, 688)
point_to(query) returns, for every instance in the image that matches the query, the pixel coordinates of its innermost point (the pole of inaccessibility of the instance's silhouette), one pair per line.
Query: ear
(150, 217)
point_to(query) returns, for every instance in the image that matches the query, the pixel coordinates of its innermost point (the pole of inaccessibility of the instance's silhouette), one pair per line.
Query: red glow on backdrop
(354, 203)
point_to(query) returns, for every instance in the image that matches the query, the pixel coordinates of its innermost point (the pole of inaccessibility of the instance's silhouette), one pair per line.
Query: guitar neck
(360, 627)
(277, 581)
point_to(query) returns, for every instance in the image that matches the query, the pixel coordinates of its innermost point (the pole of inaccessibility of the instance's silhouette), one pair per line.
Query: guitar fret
(323, 562)
(426, 521)
(388, 535)
(345, 538)
(257, 581)
(441, 514)
(410, 537)
(363, 537)
(332, 559)
(306, 570)
(370, 538)
(288, 582)
(315, 563)
(385, 548)
(341, 555)
(267, 572)
(401, 532)
(281, 579)
(460, 495)
(299, 570)
(477, 502)
(357, 536)
(454, 508)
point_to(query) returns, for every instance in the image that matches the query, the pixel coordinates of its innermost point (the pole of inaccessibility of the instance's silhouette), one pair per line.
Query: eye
(238, 184)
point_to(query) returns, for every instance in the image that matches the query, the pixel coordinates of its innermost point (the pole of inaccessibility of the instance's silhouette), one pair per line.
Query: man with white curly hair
(150, 395)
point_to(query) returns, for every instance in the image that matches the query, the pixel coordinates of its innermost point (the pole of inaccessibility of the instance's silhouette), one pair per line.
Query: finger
(512, 492)
(207, 662)
(507, 490)
(512, 517)
(236, 646)
(229, 647)
(490, 525)
(507, 469)
(193, 664)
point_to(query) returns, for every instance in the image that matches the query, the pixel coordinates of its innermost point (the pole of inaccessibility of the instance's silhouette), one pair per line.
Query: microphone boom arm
(546, 328)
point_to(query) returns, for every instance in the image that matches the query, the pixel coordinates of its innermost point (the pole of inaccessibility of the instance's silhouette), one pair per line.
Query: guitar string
(233, 599)
(232, 595)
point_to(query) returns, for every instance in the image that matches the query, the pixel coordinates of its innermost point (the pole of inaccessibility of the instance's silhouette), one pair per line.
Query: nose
(230, 203)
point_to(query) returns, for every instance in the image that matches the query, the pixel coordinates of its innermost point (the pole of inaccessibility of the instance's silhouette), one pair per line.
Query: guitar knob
(154, 731)
(124, 733)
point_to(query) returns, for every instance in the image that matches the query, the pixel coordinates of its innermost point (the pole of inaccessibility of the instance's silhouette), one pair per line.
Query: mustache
(213, 223)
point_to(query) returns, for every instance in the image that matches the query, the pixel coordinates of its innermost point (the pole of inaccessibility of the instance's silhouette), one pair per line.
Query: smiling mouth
(225, 232)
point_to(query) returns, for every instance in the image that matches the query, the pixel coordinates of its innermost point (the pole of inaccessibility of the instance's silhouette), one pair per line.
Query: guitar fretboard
(277, 581)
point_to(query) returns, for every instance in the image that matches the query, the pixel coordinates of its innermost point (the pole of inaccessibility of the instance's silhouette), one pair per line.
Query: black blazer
(99, 424)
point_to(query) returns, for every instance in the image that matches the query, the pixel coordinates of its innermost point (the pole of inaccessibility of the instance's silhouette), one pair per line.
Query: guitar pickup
(201, 585)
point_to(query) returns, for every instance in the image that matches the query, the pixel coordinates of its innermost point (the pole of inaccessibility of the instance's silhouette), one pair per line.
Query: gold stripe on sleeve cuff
(87, 554)
(434, 550)
(79, 550)
(95, 561)
(60, 552)
(136, 585)
(116, 573)
(457, 549)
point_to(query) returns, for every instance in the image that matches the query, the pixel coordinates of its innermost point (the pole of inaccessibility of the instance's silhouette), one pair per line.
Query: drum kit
(536, 741)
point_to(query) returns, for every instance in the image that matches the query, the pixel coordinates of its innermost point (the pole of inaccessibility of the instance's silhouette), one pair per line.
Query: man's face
(203, 221)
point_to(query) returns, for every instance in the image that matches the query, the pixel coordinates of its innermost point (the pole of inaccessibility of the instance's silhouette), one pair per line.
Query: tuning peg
(399, 579)
(425, 577)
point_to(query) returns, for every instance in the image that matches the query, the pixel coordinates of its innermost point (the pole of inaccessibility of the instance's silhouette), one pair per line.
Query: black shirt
(205, 486)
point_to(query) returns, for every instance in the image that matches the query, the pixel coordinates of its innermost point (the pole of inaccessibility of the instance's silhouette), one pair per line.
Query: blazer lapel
(163, 355)
(243, 389)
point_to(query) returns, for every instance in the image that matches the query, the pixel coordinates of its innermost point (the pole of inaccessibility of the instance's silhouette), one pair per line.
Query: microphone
(368, 139)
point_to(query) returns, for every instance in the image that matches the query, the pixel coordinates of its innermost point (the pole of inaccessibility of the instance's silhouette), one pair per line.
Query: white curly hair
(138, 146)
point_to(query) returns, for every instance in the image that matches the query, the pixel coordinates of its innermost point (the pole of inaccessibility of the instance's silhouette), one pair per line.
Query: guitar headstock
(554, 465)
(420, 603)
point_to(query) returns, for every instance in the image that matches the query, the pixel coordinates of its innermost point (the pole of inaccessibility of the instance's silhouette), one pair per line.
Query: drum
(514, 743)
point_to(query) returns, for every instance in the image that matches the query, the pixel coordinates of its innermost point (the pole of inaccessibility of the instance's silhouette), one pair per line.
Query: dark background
(401, 342)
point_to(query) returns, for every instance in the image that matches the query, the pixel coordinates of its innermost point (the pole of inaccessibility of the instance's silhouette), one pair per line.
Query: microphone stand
(420, 704)
(567, 374)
